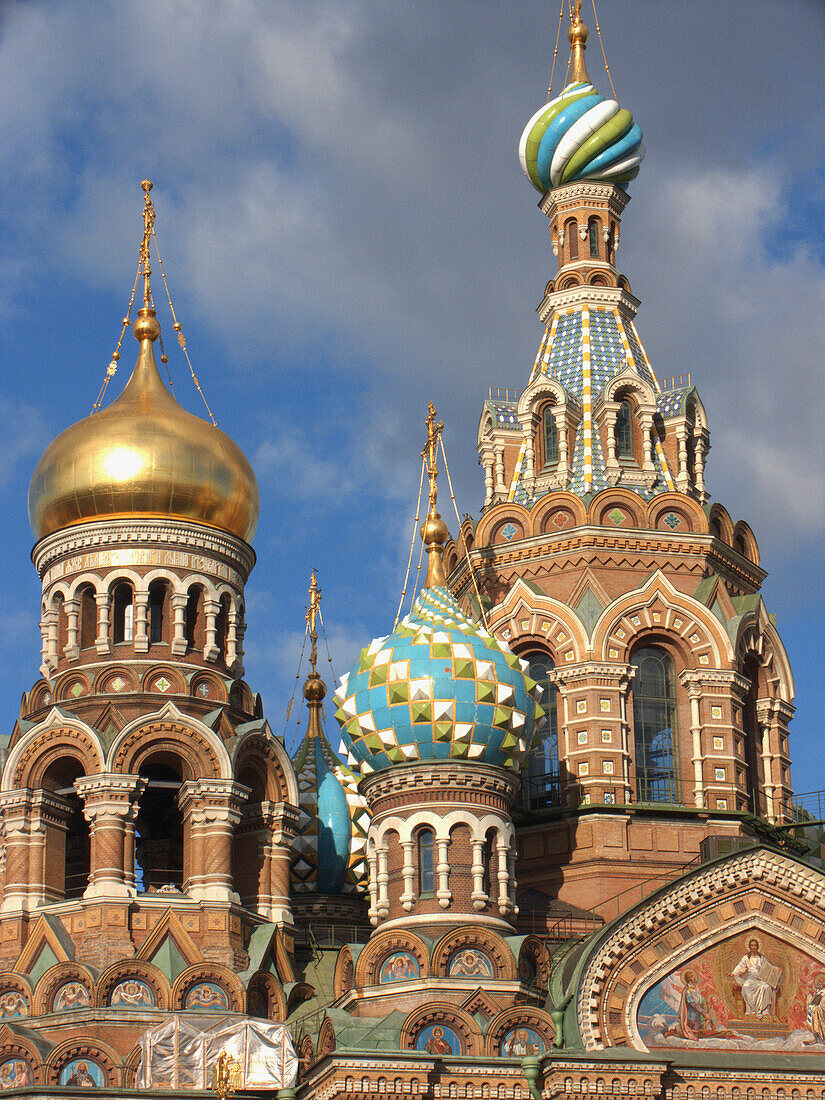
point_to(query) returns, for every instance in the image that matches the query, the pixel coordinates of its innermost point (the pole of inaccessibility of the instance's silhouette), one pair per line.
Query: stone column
(211, 809)
(50, 639)
(212, 609)
(694, 690)
(372, 913)
(479, 897)
(442, 871)
(609, 410)
(683, 475)
(487, 461)
(269, 827)
(383, 879)
(240, 631)
(179, 602)
(141, 639)
(503, 851)
(501, 486)
(16, 810)
(702, 446)
(102, 641)
(407, 899)
(110, 807)
(232, 636)
(563, 467)
(529, 467)
(72, 648)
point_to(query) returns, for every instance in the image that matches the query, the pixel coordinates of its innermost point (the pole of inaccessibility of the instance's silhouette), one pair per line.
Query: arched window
(610, 241)
(195, 619)
(123, 613)
(62, 625)
(624, 431)
(426, 861)
(487, 861)
(654, 726)
(593, 236)
(571, 232)
(222, 626)
(551, 437)
(159, 826)
(541, 784)
(88, 618)
(67, 849)
(158, 611)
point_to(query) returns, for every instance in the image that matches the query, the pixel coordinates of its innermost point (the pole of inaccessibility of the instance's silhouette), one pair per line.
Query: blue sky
(347, 235)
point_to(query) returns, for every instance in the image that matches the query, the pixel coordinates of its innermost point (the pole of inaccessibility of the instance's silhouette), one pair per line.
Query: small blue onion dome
(438, 688)
(580, 135)
(330, 842)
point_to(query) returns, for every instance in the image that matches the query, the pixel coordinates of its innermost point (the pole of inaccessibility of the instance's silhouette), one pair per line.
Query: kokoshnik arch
(555, 852)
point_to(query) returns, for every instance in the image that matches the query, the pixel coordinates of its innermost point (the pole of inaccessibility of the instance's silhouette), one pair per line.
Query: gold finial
(434, 530)
(226, 1075)
(314, 687)
(146, 326)
(577, 33)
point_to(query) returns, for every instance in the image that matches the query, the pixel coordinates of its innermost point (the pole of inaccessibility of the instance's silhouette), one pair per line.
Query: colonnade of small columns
(35, 824)
(51, 652)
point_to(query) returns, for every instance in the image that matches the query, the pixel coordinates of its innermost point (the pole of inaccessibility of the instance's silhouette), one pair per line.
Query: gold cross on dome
(429, 453)
(148, 225)
(313, 611)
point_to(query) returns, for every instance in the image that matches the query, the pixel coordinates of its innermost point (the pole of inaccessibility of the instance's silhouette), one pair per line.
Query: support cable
(412, 547)
(466, 548)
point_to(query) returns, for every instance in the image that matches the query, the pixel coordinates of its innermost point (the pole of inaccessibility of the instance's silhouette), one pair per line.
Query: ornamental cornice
(618, 674)
(683, 899)
(559, 198)
(585, 294)
(466, 775)
(701, 677)
(159, 536)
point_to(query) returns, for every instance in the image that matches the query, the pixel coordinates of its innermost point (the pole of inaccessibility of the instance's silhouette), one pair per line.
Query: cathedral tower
(602, 560)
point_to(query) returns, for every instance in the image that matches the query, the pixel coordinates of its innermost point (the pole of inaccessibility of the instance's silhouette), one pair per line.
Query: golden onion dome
(144, 455)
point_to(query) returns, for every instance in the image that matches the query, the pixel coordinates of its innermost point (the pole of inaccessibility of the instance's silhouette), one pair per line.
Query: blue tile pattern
(565, 362)
(504, 414)
(637, 353)
(672, 402)
(439, 688)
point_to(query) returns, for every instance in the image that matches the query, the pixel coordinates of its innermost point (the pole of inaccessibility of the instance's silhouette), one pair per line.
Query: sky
(347, 235)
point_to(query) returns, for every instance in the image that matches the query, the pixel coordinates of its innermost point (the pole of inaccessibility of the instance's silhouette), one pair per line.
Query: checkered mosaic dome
(439, 688)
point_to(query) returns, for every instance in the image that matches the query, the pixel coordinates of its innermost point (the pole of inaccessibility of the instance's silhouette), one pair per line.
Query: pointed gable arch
(59, 734)
(758, 893)
(658, 607)
(756, 634)
(169, 729)
(526, 614)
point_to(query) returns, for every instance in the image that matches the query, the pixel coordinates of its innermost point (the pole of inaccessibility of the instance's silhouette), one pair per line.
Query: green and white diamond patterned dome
(439, 688)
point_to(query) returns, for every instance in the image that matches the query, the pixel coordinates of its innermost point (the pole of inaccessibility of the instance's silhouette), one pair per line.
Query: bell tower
(602, 560)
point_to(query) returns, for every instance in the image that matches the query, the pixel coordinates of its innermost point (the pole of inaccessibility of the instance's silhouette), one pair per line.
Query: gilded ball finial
(147, 185)
(146, 326)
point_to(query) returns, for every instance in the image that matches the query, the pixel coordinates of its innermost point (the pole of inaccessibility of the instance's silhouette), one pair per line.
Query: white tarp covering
(181, 1053)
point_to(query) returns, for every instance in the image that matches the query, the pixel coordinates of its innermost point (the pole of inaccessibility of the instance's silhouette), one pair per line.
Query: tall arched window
(158, 611)
(593, 236)
(571, 232)
(426, 861)
(88, 617)
(159, 826)
(654, 726)
(195, 619)
(624, 431)
(122, 613)
(67, 848)
(542, 781)
(551, 437)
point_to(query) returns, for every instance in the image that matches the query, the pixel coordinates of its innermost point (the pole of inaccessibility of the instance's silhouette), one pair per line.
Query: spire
(434, 530)
(314, 687)
(577, 33)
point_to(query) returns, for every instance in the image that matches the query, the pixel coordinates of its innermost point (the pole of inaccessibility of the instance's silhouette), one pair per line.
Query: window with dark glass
(122, 613)
(572, 233)
(88, 618)
(624, 431)
(593, 234)
(541, 780)
(551, 437)
(157, 610)
(654, 726)
(426, 861)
